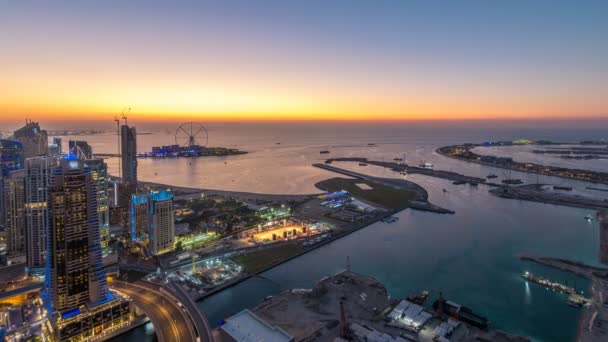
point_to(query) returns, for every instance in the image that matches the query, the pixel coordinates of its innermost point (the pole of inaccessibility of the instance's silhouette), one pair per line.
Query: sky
(303, 60)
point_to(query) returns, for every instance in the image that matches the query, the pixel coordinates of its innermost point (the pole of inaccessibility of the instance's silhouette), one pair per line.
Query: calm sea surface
(470, 256)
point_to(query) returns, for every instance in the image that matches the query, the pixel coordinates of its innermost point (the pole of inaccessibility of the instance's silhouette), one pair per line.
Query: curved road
(198, 317)
(171, 322)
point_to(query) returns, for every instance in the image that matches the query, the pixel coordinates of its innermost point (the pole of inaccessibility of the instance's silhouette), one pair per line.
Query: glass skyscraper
(11, 159)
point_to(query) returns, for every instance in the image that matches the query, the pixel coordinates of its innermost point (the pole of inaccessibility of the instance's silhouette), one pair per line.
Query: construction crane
(124, 113)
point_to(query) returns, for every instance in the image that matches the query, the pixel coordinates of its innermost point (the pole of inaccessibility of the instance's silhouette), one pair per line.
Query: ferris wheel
(191, 134)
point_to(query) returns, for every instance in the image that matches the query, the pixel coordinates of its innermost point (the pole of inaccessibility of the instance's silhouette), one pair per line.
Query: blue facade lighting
(149, 200)
(71, 156)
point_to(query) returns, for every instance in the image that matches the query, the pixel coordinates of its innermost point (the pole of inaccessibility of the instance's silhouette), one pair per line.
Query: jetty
(594, 315)
(534, 192)
(401, 167)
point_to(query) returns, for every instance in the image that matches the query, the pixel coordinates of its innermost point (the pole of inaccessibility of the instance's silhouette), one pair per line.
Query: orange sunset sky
(318, 60)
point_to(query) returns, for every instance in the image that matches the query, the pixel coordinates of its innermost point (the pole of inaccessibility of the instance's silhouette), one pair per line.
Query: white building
(246, 326)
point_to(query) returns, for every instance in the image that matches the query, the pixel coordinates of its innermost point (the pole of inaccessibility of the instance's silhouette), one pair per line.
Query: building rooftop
(245, 326)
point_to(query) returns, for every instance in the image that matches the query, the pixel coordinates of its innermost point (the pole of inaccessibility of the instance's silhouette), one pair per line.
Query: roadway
(171, 322)
(21, 290)
(198, 317)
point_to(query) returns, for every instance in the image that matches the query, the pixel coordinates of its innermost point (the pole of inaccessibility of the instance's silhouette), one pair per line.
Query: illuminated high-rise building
(11, 159)
(128, 145)
(35, 141)
(99, 174)
(38, 172)
(14, 197)
(74, 271)
(75, 289)
(152, 220)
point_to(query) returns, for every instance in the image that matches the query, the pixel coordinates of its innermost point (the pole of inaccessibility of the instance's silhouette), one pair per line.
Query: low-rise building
(246, 326)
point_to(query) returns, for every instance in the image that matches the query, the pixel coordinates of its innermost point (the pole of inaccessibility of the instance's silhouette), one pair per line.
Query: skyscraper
(35, 141)
(152, 220)
(74, 269)
(38, 172)
(11, 159)
(99, 174)
(14, 198)
(75, 290)
(128, 143)
(81, 148)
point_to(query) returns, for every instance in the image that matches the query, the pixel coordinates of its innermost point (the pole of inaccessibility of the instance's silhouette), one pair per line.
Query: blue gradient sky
(307, 59)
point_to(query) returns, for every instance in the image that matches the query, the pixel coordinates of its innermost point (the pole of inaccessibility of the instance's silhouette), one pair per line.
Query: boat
(461, 313)
(419, 298)
(491, 176)
(426, 165)
(474, 184)
(589, 218)
(328, 161)
(398, 159)
(324, 152)
(512, 181)
(458, 182)
(559, 187)
(362, 164)
(389, 219)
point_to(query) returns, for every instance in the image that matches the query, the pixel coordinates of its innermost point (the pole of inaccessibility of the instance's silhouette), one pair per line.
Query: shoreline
(421, 197)
(333, 238)
(534, 168)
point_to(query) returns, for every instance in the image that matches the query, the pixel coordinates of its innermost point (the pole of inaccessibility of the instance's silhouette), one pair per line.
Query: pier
(603, 220)
(399, 167)
(595, 315)
(533, 192)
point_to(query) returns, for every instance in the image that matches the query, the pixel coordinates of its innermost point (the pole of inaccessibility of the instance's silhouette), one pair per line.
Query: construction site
(354, 307)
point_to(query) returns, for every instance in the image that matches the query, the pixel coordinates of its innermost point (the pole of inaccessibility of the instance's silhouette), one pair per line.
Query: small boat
(474, 184)
(559, 187)
(324, 152)
(419, 298)
(589, 218)
(426, 165)
(398, 159)
(512, 181)
(328, 161)
(491, 176)
(458, 182)
(362, 164)
(389, 219)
